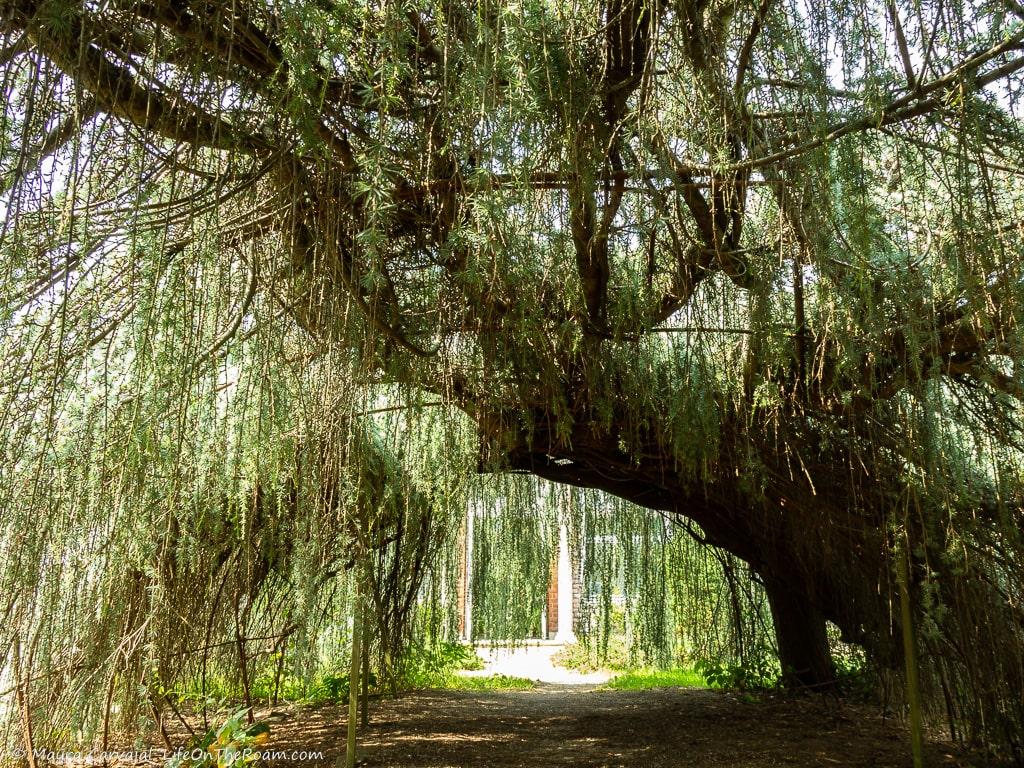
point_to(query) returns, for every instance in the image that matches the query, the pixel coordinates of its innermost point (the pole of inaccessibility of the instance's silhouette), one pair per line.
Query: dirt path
(532, 660)
(557, 725)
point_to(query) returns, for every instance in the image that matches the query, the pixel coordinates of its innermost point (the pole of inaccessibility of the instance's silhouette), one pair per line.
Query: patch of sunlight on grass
(486, 683)
(644, 679)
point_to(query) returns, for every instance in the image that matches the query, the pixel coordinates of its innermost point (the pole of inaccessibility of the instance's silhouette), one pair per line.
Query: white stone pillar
(565, 633)
(467, 624)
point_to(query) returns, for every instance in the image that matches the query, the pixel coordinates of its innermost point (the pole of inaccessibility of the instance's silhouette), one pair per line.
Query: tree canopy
(756, 265)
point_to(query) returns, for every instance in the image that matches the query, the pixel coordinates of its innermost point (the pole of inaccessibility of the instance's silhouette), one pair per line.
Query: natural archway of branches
(756, 265)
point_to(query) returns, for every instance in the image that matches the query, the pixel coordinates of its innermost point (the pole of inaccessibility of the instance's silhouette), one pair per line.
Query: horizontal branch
(118, 92)
(912, 104)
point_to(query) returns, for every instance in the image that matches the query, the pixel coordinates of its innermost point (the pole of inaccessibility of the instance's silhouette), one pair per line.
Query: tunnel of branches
(283, 285)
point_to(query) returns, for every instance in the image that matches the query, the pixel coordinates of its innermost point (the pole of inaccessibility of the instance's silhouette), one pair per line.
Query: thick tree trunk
(801, 637)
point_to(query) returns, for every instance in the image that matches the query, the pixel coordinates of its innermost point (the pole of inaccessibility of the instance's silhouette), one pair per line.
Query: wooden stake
(365, 707)
(353, 678)
(910, 660)
(243, 664)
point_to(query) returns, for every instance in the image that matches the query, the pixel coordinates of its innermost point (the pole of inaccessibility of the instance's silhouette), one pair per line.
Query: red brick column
(552, 598)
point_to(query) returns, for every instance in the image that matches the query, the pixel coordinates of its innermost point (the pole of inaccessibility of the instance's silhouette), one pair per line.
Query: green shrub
(334, 687)
(430, 666)
(327, 687)
(759, 672)
(856, 677)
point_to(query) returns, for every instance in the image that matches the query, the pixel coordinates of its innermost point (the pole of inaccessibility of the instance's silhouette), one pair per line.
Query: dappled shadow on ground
(579, 726)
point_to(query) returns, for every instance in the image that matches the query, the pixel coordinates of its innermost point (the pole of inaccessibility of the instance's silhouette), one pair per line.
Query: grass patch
(645, 679)
(488, 683)
(592, 657)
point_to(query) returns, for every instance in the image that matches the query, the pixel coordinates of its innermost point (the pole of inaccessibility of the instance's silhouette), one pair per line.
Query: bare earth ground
(560, 725)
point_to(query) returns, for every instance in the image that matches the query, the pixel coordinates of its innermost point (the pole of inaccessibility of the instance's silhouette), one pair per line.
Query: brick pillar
(552, 599)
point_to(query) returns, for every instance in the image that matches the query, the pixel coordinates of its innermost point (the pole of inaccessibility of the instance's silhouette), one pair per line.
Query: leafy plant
(857, 678)
(758, 673)
(425, 664)
(335, 687)
(232, 744)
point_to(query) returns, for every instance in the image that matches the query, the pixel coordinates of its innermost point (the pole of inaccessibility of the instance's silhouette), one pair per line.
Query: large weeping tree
(753, 264)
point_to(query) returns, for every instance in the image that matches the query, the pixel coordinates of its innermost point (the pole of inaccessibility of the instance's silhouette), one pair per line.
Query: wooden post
(910, 660)
(365, 709)
(243, 662)
(353, 675)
